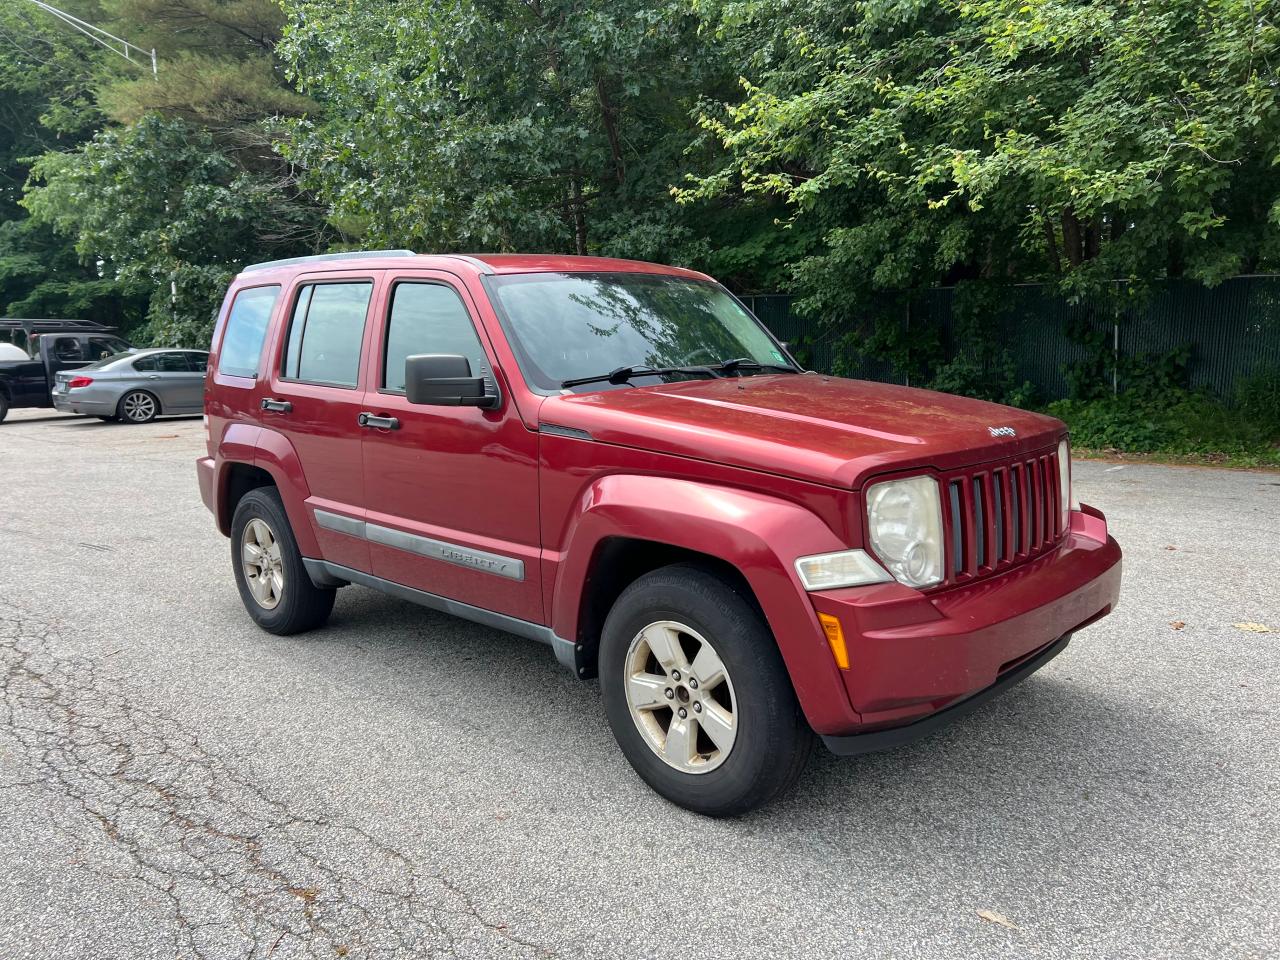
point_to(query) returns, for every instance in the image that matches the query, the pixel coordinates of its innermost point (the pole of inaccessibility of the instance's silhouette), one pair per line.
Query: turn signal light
(77, 382)
(835, 639)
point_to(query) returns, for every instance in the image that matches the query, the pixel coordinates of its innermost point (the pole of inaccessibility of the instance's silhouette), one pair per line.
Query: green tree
(46, 102)
(945, 140)
(513, 125)
(157, 204)
(218, 67)
(181, 183)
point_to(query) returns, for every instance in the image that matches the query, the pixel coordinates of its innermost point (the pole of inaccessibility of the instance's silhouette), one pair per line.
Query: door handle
(154, 376)
(279, 406)
(378, 423)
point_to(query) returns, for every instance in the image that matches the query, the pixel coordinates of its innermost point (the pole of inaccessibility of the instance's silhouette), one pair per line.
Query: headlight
(1066, 502)
(849, 568)
(904, 527)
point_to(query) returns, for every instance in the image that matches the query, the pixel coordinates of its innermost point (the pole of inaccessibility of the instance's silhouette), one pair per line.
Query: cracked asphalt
(176, 783)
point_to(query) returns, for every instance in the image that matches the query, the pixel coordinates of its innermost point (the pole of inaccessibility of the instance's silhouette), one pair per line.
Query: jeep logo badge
(1003, 431)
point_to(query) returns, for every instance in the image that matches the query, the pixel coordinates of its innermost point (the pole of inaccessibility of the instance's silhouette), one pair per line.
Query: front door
(179, 387)
(452, 491)
(314, 394)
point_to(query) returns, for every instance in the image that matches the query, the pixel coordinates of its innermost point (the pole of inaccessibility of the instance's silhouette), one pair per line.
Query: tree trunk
(1093, 239)
(1071, 239)
(610, 116)
(579, 215)
(1051, 241)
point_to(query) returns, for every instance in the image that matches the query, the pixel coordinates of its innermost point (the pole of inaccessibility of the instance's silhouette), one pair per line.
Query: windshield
(566, 326)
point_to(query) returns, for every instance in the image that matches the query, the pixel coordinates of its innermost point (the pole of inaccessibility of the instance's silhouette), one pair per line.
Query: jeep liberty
(618, 460)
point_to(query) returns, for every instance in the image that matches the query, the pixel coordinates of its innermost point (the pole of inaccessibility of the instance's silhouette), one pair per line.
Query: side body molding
(758, 534)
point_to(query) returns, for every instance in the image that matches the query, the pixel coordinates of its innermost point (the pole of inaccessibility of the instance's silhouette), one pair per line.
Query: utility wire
(103, 37)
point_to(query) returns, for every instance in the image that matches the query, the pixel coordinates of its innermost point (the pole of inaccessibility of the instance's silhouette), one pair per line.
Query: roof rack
(318, 258)
(53, 326)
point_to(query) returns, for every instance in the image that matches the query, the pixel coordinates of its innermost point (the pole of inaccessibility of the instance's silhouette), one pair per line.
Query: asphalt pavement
(176, 783)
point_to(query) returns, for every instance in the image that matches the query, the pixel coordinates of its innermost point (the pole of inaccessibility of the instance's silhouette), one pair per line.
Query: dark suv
(618, 460)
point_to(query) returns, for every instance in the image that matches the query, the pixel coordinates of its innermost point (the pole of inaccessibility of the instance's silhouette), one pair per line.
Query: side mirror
(444, 380)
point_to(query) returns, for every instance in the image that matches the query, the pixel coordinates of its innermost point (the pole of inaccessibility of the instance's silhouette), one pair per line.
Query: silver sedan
(134, 387)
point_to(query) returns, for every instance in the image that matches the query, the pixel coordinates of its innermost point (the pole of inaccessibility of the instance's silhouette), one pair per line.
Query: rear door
(315, 388)
(198, 367)
(452, 491)
(179, 387)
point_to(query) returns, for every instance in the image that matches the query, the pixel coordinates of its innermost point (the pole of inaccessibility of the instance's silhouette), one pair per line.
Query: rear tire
(4, 407)
(274, 585)
(724, 670)
(138, 406)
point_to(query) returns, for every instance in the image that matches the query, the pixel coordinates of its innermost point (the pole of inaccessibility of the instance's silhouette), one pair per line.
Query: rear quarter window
(246, 330)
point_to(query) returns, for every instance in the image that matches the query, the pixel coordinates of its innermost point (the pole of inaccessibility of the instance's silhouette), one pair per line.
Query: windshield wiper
(624, 374)
(746, 363)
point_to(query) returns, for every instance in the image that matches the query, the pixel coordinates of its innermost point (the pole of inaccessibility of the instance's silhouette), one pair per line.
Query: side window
(246, 329)
(172, 363)
(68, 348)
(428, 318)
(145, 364)
(198, 362)
(102, 347)
(325, 333)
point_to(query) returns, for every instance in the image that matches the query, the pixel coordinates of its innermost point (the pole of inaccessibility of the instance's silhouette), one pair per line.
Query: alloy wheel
(262, 563)
(139, 407)
(680, 697)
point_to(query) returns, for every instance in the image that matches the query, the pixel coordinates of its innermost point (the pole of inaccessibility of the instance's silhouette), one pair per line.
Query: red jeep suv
(617, 459)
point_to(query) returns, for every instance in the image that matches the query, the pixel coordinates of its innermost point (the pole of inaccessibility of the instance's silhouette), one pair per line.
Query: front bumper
(916, 655)
(908, 733)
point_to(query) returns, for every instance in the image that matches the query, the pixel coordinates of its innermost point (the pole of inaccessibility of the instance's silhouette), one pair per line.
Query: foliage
(1181, 424)
(1257, 399)
(517, 125)
(1159, 413)
(158, 204)
(1004, 139)
(45, 102)
(217, 65)
(41, 275)
(161, 206)
(46, 98)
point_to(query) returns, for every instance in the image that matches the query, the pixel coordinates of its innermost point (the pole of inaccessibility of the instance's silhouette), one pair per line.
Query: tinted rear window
(326, 332)
(246, 330)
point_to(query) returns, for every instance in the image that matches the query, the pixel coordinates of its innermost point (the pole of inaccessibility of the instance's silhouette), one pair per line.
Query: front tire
(138, 406)
(274, 585)
(4, 407)
(697, 695)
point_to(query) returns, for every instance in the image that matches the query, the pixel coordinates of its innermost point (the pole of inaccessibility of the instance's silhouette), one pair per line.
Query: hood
(822, 429)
